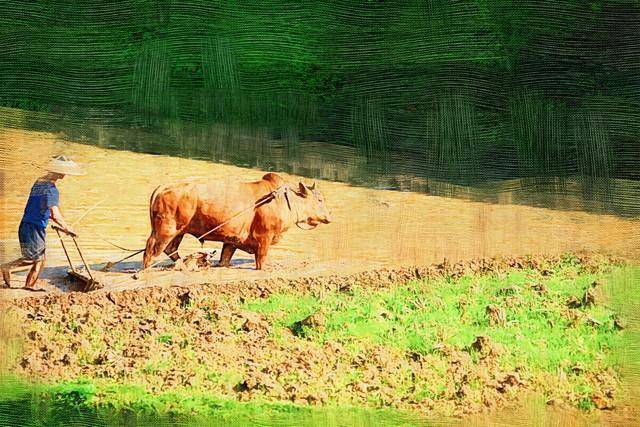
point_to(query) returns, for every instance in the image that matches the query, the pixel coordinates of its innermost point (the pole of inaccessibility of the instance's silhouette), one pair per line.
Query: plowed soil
(226, 350)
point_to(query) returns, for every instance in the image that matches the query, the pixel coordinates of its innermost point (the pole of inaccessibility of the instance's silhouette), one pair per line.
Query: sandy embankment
(371, 228)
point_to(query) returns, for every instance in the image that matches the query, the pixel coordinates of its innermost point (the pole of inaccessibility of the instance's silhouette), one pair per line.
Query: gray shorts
(32, 241)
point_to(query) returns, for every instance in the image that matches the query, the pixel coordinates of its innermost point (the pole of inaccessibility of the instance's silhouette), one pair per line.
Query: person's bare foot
(34, 289)
(37, 287)
(6, 276)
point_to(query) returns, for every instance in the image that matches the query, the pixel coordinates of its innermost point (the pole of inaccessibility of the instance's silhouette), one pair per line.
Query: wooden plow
(85, 278)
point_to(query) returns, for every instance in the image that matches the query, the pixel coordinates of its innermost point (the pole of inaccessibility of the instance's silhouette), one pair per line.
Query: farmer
(43, 204)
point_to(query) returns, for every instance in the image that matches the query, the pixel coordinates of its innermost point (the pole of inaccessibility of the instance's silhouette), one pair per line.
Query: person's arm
(53, 202)
(57, 217)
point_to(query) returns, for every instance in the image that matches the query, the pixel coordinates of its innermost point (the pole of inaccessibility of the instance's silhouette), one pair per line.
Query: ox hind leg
(227, 253)
(262, 249)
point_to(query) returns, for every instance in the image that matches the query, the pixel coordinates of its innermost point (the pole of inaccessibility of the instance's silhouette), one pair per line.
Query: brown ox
(196, 208)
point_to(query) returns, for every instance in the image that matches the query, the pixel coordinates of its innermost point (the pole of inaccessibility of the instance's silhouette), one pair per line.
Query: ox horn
(313, 186)
(303, 189)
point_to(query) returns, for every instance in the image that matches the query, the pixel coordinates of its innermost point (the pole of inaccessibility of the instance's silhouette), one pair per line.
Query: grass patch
(90, 402)
(537, 333)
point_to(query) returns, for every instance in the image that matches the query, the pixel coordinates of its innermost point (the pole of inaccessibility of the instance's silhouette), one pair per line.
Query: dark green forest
(471, 90)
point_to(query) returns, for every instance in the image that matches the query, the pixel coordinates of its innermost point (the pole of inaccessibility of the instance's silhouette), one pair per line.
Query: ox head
(313, 209)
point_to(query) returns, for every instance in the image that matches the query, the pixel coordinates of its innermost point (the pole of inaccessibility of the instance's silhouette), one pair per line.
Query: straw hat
(64, 165)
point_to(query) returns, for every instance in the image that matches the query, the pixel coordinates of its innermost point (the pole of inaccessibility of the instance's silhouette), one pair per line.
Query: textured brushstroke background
(465, 92)
(530, 102)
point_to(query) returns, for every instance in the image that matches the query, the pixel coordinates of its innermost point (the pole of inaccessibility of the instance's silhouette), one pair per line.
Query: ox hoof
(179, 265)
(135, 276)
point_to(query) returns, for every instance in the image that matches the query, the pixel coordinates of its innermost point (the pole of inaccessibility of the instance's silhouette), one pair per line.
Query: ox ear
(304, 190)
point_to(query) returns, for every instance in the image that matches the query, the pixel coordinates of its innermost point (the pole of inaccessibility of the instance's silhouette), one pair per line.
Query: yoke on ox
(250, 216)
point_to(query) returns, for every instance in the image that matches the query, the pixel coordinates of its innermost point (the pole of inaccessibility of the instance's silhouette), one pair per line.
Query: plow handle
(68, 233)
(64, 248)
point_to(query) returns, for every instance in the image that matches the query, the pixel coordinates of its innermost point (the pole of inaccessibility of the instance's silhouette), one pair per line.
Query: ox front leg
(261, 252)
(172, 251)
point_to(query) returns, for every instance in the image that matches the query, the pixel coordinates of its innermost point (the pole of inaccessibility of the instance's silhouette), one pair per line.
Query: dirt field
(202, 332)
(371, 228)
(238, 340)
